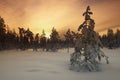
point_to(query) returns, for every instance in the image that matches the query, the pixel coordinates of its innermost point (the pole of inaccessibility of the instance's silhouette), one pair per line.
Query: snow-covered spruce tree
(87, 53)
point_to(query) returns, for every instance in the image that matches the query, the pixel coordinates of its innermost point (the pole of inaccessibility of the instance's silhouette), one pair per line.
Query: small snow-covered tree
(87, 48)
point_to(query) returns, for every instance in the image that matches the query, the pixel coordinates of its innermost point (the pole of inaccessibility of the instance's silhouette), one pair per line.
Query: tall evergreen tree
(29, 38)
(54, 39)
(2, 33)
(43, 40)
(36, 42)
(11, 39)
(117, 37)
(104, 40)
(68, 38)
(110, 38)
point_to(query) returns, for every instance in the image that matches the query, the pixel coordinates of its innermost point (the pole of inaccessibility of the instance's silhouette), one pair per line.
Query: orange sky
(61, 14)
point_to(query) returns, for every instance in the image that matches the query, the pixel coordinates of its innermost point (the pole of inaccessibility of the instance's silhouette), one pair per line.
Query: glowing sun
(47, 35)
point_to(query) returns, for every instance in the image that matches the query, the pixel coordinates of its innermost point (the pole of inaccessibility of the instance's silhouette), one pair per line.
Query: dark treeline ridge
(25, 39)
(111, 39)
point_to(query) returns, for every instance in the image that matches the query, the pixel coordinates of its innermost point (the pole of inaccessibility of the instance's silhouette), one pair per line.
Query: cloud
(63, 14)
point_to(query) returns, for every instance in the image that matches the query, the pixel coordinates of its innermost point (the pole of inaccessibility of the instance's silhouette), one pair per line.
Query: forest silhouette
(25, 39)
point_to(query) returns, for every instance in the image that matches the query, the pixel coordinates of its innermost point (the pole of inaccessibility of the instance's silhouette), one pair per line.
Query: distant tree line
(111, 39)
(25, 39)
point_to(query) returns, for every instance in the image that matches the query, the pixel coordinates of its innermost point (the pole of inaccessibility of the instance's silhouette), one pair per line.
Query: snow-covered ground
(30, 65)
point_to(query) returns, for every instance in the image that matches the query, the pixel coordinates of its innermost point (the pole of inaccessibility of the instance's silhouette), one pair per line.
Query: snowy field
(30, 65)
